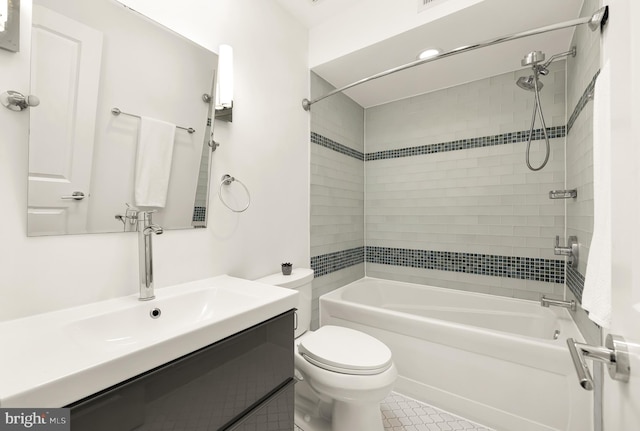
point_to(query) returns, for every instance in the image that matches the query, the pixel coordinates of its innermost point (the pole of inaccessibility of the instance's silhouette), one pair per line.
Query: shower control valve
(570, 250)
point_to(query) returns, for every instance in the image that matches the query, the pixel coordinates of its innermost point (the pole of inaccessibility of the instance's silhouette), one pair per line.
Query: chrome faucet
(145, 253)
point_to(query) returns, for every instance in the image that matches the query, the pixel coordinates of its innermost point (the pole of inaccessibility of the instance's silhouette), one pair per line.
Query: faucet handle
(557, 241)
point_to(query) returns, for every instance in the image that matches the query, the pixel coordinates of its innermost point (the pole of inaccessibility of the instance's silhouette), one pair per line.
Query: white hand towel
(153, 162)
(596, 297)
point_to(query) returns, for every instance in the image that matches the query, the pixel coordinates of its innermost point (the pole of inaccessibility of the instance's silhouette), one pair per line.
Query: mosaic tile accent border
(463, 144)
(335, 146)
(199, 214)
(584, 99)
(331, 262)
(525, 268)
(575, 282)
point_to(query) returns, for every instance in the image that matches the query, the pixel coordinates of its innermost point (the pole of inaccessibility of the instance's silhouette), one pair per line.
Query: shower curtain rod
(595, 21)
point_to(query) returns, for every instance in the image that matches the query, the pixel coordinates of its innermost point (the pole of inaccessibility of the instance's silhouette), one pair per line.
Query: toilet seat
(346, 351)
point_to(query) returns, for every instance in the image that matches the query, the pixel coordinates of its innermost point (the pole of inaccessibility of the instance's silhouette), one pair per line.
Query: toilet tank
(300, 280)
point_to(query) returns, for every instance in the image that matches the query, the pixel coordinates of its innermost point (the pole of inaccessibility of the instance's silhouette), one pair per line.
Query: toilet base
(353, 420)
(313, 414)
(356, 416)
(308, 423)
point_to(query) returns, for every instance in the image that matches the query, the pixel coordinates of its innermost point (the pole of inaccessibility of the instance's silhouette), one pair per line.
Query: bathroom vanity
(237, 383)
(214, 354)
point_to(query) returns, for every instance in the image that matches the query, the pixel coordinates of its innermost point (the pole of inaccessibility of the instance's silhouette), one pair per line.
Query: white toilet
(344, 373)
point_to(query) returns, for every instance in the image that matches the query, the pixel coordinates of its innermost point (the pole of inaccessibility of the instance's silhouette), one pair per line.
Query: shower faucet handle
(570, 250)
(561, 251)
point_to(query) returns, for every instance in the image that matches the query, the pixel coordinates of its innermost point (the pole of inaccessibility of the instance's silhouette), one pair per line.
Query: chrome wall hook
(16, 101)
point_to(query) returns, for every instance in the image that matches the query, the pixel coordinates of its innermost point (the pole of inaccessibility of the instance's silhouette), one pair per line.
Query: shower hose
(537, 108)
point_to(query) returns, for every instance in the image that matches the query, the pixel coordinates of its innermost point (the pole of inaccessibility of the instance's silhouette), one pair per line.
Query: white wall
(266, 147)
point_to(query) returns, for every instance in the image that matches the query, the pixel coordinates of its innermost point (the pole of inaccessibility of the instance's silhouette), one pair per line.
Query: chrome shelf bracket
(563, 194)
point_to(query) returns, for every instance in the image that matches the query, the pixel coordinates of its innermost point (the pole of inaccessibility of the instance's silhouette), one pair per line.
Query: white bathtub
(491, 359)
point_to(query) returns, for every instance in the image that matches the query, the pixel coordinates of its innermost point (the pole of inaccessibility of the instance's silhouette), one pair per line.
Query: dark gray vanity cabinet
(241, 383)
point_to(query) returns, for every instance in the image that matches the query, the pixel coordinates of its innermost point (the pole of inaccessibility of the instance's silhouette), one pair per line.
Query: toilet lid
(345, 350)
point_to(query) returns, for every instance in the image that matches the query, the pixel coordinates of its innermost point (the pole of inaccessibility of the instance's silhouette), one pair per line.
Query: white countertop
(56, 358)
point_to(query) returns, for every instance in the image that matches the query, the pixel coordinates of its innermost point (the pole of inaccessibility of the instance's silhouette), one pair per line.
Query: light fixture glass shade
(4, 13)
(224, 86)
(428, 53)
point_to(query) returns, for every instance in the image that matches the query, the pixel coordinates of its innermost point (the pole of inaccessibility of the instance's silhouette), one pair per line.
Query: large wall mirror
(90, 61)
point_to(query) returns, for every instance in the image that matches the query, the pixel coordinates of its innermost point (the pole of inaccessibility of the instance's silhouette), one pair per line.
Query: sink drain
(155, 313)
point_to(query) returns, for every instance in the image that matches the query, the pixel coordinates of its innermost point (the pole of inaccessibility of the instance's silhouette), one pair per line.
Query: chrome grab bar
(614, 353)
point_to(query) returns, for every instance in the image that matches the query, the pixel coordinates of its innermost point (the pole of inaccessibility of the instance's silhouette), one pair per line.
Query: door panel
(621, 48)
(65, 74)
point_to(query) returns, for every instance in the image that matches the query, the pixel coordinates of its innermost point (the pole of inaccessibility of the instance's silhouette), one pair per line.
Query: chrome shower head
(527, 83)
(533, 58)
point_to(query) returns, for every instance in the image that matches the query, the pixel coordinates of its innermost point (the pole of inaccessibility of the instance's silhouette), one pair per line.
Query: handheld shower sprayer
(532, 82)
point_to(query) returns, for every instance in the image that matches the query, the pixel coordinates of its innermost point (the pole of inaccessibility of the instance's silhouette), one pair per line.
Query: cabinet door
(209, 389)
(275, 414)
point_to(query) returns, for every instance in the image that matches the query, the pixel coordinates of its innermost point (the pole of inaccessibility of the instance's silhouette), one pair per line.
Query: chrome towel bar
(117, 111)
(614, 353)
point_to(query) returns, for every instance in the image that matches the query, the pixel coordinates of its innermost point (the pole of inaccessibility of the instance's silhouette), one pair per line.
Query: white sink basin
(53, 359)
(140, 322)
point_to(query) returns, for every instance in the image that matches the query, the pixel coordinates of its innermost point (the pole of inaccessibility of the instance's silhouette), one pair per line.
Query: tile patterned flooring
(400, 413)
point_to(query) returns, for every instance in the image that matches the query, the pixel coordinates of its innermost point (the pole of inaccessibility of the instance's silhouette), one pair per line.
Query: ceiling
(486, 20)
(312, 13)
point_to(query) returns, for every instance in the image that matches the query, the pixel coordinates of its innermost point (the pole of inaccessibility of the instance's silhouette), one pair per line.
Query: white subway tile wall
(581, 69)
(481, 108)
(476, 200)
(337, 190)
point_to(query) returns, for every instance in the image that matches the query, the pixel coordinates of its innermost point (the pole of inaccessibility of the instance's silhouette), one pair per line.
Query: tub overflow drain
(155, 313)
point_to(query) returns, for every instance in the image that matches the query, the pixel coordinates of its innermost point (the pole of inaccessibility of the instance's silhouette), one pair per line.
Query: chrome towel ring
(227, 180)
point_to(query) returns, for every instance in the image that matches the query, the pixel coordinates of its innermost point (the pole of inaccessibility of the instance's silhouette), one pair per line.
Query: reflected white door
(622, 49)
(65, 75)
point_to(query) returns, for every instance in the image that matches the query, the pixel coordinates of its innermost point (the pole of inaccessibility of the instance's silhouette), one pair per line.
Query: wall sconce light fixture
(10, 25)
(224, 85)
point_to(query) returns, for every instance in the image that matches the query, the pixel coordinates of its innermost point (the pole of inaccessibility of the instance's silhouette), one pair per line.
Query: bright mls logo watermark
(35, 419)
